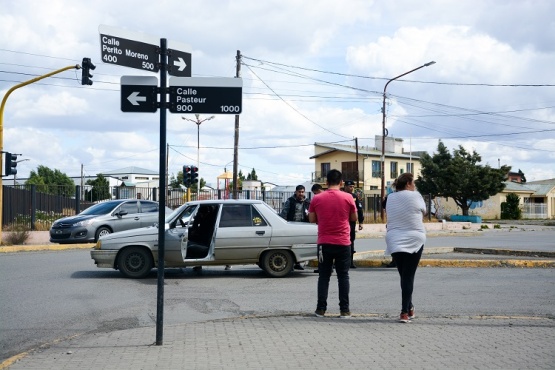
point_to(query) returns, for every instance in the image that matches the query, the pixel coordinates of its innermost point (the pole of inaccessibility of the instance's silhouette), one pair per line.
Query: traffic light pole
(77, 66)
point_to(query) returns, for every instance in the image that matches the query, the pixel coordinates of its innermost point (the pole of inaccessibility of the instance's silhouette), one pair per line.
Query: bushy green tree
(252, 175)
(459, 176)
(100, 189)
(51, 181)
(510, 209)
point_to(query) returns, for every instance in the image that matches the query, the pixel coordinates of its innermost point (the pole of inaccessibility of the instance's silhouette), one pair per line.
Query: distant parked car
(212, 232)
(103, 219)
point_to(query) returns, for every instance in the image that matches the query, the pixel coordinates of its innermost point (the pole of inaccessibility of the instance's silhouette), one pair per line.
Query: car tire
(277, 263)
(101, 231)
(135, 262)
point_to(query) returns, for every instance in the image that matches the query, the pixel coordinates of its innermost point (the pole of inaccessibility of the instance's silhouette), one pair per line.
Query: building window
(373, 187)
(324, 169)
(376, 169)
(141, 178)
(410, 168)
(393, 170)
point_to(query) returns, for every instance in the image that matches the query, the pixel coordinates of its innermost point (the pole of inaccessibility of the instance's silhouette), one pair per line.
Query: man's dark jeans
(340, 255)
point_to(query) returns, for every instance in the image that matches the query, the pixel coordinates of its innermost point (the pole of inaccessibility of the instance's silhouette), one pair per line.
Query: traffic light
(86, 68)
(194, 175)
(11, 164)
(187, 176)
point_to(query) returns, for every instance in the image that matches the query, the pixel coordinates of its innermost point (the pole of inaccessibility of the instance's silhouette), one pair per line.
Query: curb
(52, 247)
(377, 259)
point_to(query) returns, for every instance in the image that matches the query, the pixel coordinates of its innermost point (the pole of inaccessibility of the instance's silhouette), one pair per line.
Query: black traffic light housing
(194, 175)
(187, 176)
(11, 164)
(86, 68)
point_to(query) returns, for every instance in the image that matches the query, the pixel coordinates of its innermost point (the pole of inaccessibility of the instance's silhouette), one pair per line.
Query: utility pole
(82, 183)
(356, 158)
(236, 141)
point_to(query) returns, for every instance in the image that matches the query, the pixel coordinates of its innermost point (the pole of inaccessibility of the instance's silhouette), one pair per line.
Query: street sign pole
(162, 197)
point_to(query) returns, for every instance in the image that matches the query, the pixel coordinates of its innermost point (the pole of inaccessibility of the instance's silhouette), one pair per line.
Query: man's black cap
(349, 183)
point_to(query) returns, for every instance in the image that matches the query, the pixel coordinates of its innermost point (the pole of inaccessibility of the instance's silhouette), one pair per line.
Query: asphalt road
(51, 295)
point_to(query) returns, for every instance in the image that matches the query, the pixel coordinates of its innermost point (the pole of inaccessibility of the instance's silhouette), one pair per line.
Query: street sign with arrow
(179, 63)
(138, 94)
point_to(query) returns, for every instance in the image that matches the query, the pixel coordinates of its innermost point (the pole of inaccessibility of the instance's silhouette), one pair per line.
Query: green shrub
(510, 209)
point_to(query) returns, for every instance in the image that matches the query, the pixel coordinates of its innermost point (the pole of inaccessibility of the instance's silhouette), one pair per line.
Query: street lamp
(198, 121)
(384, 134)
(15, 174)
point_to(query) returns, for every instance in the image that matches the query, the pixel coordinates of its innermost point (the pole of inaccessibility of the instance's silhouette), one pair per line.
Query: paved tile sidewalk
(297, 341)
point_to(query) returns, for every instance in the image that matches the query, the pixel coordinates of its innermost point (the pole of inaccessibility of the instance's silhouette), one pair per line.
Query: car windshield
(100, 209)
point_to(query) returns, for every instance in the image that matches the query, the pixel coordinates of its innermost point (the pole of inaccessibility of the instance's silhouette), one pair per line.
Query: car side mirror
(121, 213)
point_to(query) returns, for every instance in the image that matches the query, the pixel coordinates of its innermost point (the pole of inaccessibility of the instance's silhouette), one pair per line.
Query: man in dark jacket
(295, 208)
(349, 188)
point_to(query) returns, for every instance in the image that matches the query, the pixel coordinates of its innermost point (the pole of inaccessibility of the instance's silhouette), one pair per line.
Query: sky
(312, 71)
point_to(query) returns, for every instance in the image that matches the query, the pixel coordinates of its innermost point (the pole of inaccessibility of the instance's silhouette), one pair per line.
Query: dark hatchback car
(103, 219)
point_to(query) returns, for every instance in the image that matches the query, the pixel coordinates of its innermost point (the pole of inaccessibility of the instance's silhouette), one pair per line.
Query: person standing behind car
(332, 210)
(296, 209)
(349, 188)
(405, 236)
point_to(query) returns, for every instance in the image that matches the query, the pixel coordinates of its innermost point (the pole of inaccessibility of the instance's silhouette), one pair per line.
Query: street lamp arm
(382, 195)
(406, 73)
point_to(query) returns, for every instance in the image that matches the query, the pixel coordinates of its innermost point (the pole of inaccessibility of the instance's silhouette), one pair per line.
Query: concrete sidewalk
(303, 341)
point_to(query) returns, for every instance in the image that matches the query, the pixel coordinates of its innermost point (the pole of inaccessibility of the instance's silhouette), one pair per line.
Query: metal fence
(37, 207)
(534, 210)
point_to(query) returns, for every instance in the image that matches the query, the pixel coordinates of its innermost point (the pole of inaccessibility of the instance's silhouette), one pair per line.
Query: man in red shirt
(332, 210)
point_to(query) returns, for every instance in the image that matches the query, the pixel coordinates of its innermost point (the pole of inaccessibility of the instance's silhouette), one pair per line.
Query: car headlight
(83, 223)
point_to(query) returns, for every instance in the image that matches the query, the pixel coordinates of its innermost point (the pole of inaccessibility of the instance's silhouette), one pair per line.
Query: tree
(51, 181)
(522, 177)
(252, 175)
(100, 189)
(459, 176)
(510, 209)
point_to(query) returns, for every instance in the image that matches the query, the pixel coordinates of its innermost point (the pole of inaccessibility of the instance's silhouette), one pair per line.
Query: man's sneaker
(411, 313)
(345, 315)
(320, 313)
(404, 317)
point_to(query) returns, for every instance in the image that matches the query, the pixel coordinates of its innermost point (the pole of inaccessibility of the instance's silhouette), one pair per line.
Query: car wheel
(101, 231)
(277, 263)
(135, 262)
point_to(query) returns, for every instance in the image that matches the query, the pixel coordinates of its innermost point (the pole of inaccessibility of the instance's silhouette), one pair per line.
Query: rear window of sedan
(149, 207)
(237, 215)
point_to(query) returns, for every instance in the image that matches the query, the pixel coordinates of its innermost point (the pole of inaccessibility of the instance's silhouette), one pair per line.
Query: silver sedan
(213, 232)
